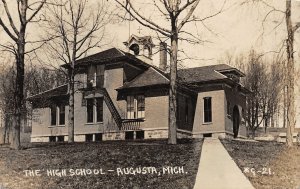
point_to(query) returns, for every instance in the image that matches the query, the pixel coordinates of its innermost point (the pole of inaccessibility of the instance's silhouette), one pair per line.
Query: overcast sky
(236, 30)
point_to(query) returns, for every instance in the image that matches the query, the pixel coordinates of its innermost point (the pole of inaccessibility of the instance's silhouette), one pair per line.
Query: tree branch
(148, 23)
(36, 11)
(10, 18)
(189, 14)
(7, 31)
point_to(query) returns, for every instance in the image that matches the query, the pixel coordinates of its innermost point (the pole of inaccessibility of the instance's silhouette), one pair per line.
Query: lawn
(267, 164)
(100, 165)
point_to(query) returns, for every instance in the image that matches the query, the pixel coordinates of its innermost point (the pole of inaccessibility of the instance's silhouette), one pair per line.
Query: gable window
(135, 107)
(207, 110)
(95, 76)
(94, 107)
(57, 115)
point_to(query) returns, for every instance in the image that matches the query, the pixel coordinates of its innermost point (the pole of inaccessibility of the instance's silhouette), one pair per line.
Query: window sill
(94, 123)
(53, 126)
(207, 123)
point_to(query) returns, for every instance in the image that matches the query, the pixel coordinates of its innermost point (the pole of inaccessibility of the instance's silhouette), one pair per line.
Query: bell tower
(141, 47)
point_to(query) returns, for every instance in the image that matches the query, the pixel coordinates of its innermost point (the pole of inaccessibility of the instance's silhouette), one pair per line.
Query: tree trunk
(284, 105)
(252, 135)
(290, 77)
(71, 107)
(19, 93)
(172, 138)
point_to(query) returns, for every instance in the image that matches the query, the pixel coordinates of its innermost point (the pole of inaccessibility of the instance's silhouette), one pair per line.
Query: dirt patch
(105, 156)
(267, 164)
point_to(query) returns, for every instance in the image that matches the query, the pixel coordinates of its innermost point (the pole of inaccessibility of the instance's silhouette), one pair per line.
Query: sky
(236, 30)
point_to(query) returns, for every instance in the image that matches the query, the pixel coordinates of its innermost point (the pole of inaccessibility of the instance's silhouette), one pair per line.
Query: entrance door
(236, 121)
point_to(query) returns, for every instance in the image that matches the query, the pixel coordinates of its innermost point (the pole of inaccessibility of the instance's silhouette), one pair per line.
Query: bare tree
(264, 80)
(290, 113)
(290, 78)
(76, 28)
(17, 47)
(36, 79)
(177, 14)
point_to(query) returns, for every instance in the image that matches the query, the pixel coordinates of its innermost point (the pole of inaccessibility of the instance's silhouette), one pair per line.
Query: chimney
(163, 56)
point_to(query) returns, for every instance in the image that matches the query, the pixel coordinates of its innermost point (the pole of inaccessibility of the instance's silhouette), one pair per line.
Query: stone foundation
(156, 134)
(140, 134)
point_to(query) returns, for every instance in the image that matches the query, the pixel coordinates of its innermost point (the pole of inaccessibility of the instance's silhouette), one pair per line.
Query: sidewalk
(217, 170)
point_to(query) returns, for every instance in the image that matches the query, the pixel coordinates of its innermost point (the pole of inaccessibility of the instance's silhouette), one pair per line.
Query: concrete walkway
(217, 170)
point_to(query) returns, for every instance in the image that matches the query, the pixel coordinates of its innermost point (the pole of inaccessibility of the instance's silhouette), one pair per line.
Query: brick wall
(218, 113)
(236, 99)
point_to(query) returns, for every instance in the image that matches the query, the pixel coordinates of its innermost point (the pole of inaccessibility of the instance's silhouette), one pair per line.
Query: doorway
(236, 121)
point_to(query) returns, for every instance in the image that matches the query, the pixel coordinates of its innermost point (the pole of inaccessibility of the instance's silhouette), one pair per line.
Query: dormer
(233, 74)
(141, 47)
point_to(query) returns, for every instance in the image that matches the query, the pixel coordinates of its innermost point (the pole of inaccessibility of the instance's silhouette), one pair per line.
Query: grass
(274, 166)
(108, 155)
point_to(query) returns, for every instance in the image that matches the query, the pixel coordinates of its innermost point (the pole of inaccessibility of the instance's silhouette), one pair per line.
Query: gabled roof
(190, 75)
(102, 56)
(143, 40)
(110, 56)
(150, 77)
(205, 73)
(56, 92)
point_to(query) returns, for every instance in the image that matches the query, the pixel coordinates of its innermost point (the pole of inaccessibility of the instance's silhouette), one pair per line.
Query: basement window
(207, 135)
(60, 139)
(98, 137)
(140, 134)
(52, 139)
(89, 138)
(129, 135)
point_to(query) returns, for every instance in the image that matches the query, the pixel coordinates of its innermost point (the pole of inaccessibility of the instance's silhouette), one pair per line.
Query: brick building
(122, 95)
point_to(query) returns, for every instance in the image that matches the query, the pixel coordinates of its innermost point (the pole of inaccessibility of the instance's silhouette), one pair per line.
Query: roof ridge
(48, 90)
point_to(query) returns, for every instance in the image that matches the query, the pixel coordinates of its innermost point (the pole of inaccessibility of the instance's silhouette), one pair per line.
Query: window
(140, 106)
(130, 107)
(57, 115)
(186, 110)
(100, 76)
(99, 109)
(207, 110)
(228, 108)
(90, 110)
(61, 115)
(135, 107)
(94, 110)
(53, 115)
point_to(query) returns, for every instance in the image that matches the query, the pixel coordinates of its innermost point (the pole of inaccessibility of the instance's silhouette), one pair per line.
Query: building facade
(121, 95)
